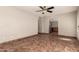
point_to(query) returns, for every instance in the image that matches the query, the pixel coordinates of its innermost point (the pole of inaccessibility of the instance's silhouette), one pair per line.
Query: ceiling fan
(45, 8)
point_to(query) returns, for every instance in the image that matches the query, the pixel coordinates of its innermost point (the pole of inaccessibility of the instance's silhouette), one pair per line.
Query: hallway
(41, 43)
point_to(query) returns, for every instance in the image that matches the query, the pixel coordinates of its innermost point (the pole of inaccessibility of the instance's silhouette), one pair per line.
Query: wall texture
(67, 24)
(16, 24)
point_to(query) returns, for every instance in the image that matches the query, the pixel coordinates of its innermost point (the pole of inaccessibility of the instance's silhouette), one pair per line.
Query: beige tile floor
(42, 43)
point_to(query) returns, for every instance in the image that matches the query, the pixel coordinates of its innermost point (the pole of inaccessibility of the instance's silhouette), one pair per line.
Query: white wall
(67, 24)
(15, 24)
(78, 24)
(43, 24)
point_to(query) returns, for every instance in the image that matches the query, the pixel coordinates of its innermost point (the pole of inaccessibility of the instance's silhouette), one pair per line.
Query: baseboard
(28, 36)
(19, 39)
(43, 33)
(67, 36)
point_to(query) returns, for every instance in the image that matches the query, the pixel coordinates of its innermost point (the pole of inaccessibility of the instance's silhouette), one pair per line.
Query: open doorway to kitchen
(53, 27)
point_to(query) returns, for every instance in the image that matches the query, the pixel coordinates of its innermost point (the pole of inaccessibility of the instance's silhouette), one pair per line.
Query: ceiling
(56, 11)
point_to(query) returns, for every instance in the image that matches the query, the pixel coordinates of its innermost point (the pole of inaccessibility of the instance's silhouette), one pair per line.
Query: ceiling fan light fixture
(45, 9)
(42, 12)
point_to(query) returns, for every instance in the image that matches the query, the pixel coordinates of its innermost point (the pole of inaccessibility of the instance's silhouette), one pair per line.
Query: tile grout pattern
(41, 43)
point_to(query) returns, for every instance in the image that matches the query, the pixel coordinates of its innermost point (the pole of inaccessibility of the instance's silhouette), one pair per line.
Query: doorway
(54, 27)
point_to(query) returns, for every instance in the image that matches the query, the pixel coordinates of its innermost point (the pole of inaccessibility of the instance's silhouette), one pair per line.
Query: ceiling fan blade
(41, 7)
(49, 11)
(50, 7)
